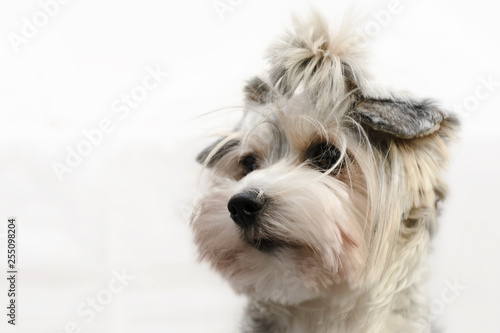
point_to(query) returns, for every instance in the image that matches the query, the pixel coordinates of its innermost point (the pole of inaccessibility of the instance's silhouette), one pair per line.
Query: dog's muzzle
(245, 207)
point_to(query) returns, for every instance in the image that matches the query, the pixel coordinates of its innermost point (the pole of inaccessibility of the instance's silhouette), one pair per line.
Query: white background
(124, 206)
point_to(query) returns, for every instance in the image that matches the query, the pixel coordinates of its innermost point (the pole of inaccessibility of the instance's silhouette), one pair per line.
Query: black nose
(245, 207)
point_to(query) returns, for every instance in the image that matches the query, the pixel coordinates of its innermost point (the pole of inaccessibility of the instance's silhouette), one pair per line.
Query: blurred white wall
(123, 207)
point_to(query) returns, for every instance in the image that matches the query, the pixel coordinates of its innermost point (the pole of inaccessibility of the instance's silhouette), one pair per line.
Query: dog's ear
(402, 118)
(258, 91)
(213, 153)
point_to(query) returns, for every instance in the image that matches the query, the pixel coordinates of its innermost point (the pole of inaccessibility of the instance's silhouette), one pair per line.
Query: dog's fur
(351, 180)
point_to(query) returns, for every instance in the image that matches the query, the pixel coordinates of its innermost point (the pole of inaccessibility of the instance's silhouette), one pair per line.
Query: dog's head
(325, 182)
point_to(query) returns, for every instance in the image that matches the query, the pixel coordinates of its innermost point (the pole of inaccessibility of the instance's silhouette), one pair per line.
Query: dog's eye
(249, 164)
(323, 156)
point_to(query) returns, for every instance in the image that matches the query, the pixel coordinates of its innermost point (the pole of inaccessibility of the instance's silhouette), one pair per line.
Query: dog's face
(285, 213)
(306, 195)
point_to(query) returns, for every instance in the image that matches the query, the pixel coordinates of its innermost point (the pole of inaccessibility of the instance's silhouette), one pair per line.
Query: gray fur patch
(257, 91)
(261, 318)
(401, 118)
(203, 155)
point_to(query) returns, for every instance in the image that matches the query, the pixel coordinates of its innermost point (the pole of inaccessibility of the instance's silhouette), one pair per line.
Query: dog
(322, 202)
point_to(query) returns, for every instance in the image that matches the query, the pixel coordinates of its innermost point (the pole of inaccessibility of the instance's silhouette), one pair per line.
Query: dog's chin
(269, 271)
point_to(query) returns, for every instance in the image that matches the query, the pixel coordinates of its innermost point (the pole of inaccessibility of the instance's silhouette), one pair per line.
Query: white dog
(323, 200)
